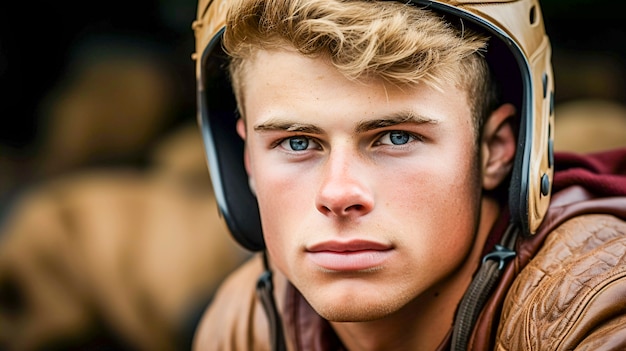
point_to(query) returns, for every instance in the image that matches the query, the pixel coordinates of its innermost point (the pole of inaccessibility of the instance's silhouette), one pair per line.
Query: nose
(343, 191)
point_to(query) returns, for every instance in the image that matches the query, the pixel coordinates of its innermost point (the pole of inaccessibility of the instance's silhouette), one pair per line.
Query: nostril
(325, 210)
(356, 207)
(341, 211)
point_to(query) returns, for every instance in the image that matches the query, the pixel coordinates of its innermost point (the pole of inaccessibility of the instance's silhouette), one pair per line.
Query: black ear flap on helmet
(218, 116)
(519, 57)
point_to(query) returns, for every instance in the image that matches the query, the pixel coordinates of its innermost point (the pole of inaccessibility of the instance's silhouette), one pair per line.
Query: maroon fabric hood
(602, 173)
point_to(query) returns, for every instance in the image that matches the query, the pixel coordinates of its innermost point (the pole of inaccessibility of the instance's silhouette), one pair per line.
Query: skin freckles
(370, 169)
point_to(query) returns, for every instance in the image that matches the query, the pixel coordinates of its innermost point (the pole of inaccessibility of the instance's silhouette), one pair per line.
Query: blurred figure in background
(113, 241)
(114, 102)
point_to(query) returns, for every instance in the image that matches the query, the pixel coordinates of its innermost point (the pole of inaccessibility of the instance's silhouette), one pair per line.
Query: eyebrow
(394, 119)
(288, 127)
(364, 126)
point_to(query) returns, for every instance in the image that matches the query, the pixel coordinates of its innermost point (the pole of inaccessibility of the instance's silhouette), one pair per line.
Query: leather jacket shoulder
(235, 320)
(573, 293)
(566, 288)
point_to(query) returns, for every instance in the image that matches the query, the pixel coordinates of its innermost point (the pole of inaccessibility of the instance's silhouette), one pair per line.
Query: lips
(356, 255)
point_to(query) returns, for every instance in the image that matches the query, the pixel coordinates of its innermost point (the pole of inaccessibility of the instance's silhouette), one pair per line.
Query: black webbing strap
(265, 293)
(479, 290)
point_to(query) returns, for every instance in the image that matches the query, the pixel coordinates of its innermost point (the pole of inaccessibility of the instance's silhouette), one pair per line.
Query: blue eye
(298, 143)
(396, 137)
(399, 138)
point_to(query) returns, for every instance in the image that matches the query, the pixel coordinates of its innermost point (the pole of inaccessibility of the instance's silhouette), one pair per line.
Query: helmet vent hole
(533, 15)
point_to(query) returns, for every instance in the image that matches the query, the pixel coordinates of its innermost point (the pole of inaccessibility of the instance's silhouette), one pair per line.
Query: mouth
(352, 256)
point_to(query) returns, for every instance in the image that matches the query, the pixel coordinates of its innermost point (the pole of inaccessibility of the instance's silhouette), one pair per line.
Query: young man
(397, 166)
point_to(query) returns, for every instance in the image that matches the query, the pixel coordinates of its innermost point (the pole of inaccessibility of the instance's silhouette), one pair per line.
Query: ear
(241, 130)
(497, 146)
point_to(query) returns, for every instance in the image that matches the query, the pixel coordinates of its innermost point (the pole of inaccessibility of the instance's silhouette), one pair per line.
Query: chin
(355, 309)
(354, 314)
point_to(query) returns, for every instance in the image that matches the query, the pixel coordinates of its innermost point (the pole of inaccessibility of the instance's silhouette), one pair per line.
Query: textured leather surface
(573, 293)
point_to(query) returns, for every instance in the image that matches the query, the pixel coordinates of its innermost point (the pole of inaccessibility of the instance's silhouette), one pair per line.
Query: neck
(424, 323)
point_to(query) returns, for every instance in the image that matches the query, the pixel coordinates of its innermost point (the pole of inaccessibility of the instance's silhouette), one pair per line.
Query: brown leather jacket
(571, 295)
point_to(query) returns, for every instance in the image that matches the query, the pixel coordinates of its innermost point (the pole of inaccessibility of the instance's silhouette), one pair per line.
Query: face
(367, 192)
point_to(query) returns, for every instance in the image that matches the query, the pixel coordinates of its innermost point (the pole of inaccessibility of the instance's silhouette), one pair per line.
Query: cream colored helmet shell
(519, 53)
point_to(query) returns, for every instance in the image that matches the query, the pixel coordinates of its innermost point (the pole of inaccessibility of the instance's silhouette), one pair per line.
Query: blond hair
(399, 43)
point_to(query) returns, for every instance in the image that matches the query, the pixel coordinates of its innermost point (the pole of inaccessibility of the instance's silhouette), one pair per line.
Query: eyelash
(413, 137)
(278, 142)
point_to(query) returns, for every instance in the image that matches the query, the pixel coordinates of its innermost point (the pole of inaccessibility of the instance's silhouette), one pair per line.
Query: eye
(298, 143)
(396, 137)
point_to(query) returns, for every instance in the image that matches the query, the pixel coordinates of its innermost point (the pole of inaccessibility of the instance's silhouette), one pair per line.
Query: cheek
(283, 189)
(435, 183)
(440, 201)
(284, 198)
(274, 214)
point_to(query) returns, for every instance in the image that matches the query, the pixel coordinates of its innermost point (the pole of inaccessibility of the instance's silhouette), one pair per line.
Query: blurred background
(65, 64)
(110, 237)
(109, 234)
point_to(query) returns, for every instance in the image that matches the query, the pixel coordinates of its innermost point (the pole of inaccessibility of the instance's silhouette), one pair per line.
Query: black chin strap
(480, 289)
(265, 293)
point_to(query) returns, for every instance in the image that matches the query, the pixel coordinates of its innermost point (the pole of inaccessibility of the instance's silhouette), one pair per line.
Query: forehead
(287, 71)
(285, 84)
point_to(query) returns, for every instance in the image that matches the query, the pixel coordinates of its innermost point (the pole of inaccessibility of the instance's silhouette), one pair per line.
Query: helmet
(518, 55)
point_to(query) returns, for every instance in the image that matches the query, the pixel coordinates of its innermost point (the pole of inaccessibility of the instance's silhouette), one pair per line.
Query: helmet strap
(265, 293)
(481, 287)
